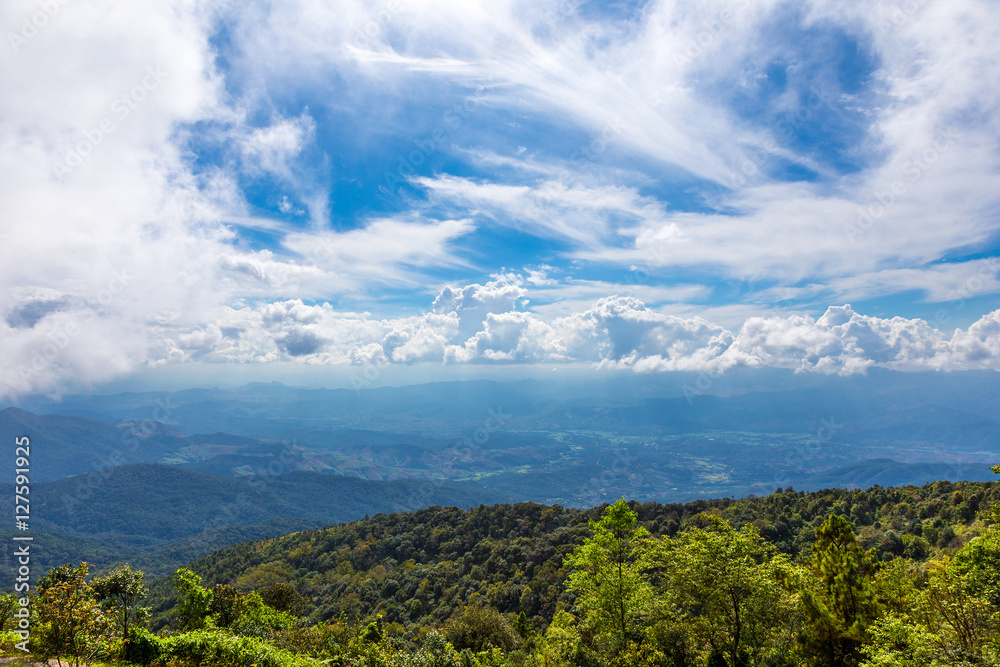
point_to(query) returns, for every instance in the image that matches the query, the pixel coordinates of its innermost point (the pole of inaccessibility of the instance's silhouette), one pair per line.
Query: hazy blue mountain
(949, 406)
(886, 472)
(63, 445)
(663, 438)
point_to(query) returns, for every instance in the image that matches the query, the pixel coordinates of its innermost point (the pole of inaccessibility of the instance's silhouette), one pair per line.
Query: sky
(461, 187)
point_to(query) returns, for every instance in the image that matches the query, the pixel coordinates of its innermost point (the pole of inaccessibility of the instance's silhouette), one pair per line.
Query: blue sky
(655, 186)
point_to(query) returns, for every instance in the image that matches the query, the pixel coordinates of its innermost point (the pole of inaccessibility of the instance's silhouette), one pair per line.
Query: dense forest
(879, 577)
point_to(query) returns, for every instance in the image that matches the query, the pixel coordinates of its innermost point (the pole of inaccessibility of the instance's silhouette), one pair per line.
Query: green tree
(897, 641)
(611, 591)
(257, 619)
(70, 622)
(964, 624)
(726, 587)
(978, 562)
(120, 593)
(284, 597)
(194, 608)
(480, 627)
(840, 600)
(564, 645)
(8, 606)
(227, 604)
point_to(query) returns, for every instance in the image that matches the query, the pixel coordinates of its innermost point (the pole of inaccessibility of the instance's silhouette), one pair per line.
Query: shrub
(436, 652)
(8, 639)
(284, 597)
(256, 619)
(217, 647)
(142, 647)
(480, 628)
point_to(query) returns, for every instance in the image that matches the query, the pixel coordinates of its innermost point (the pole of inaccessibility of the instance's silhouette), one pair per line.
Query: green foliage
(775, 581)
(840, 598)
(8, 642)
(435, 652)
(965, 624)
(8, 605)
(565, 644)
(119, 593)
(284, 597)
(226, 605)
(726, 588)
(219, 648)
(512, 556)
(195, 605)
(257, 619)
(979, 563)
(69, 621)
(606, 575)
(479, 628)
(142, 647)
(896, 641)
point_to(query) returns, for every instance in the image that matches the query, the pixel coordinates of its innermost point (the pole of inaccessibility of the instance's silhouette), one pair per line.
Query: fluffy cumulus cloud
(979, 346)
(615, 332)
(840, 341)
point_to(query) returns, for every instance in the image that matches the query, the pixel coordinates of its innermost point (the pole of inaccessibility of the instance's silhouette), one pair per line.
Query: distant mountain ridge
(573, 444)
(65, 445)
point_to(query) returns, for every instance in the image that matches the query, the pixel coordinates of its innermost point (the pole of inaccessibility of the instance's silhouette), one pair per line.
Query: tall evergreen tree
(840, 600)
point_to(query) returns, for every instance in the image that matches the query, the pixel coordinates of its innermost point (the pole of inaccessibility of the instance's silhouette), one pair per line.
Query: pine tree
(840, 601)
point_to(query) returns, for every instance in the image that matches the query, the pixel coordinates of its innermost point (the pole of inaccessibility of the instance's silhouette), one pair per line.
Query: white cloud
(384, 252)
(509, 337)
(614, 332)
(123, 246)
(977, 347)
(270, 148)
(471, 305)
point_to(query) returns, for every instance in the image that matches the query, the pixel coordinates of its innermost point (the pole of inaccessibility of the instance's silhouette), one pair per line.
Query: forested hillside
(885, 577)
(417, 567)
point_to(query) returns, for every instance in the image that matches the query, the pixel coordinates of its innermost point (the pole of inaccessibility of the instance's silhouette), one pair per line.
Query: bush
(256, 619)
(480, 628)
(142, 647)
(8, 639)
(436, 652)
(217, 647)
(284, 597)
